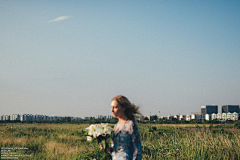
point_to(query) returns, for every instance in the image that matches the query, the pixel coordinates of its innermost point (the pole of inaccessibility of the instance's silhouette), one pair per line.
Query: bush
(97, 154)
(237, 124)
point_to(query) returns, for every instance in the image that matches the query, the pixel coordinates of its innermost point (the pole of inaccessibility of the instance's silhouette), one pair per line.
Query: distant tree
(174, 119)
(146, 118)
(237, 124)
(193, 121)
(58, 120)
(154, 117)
(65, 119)
(113, 120)
(184, 122)
(17, 121)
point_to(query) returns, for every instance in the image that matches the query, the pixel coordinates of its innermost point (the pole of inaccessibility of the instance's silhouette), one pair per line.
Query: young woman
(126, 139)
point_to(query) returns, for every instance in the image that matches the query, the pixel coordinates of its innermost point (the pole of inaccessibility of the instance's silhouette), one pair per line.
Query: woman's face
(116, 109)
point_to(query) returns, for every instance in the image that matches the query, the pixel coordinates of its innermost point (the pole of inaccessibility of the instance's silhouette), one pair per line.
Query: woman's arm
(137, 148)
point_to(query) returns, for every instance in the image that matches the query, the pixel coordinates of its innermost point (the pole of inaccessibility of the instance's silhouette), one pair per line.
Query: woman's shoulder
(130, 126)
(132, 123)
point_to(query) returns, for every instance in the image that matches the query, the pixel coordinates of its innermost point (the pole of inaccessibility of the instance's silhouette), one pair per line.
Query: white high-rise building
(214, 116)
(207, 117)
(229, 116)
(176, 117)
(182, 117)
(235, 116)
(219, 116)
(188, 117)
(224, 116)
(196, 116)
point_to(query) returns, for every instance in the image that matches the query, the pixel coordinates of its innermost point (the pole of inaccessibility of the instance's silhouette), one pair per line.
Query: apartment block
(230, 109)
(208, 109)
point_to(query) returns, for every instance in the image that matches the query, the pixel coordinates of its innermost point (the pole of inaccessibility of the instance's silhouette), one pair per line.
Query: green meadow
(166, 141)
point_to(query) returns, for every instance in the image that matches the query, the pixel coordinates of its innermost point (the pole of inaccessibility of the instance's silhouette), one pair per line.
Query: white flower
(96, 130)
(91, 129)
(108, 130)
(99, 130)
(89, 138)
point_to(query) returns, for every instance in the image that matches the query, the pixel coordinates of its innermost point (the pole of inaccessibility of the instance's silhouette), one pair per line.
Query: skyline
(151, 114)
(201, 113)
(70, 58)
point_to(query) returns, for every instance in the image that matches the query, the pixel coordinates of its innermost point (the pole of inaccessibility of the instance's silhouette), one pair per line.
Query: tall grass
(178, 143)
(67, 141)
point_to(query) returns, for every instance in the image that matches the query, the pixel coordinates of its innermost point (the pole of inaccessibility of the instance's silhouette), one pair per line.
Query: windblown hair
(130, 109)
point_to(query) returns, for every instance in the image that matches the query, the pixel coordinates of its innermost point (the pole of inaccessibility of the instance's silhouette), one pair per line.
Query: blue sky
(70, 58)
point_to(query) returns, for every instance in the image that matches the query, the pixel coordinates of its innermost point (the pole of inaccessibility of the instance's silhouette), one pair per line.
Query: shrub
(237, 124)
(96, 154)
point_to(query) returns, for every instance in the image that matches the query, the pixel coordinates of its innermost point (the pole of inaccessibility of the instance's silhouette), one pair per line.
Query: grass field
(68, 141)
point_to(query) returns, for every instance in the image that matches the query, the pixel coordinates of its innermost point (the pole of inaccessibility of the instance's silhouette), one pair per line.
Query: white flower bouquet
(99, 131)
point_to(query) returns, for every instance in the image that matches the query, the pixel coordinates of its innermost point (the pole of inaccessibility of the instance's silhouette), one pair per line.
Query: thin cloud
(61, 18)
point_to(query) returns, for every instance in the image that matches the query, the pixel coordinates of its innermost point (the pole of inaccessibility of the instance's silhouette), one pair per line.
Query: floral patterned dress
(126, 143)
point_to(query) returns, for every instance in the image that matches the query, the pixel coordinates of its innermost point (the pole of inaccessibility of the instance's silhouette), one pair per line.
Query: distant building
(98, 117)
(163, 117)
(16, 117)
(86, 118)
(139, 118)
(109, 117)
(229, 116)
(224, 116)
(176, 117)
(196, 113)
(207, 117)
(230, 109)
(170, 118)
(24, 117)
(188, 117)
(213, 116)
(6, 117)
(147, 117)
(208, 109)
(219, 116)
(182, 117)
(235, 116)
(37, 117)
(196, 116)
(45, 117)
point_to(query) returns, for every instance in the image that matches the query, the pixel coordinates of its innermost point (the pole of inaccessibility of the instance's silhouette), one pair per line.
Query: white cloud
(61, 18)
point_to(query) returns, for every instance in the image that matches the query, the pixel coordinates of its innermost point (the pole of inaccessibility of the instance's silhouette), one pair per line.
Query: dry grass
(68, 137)
(59, 148)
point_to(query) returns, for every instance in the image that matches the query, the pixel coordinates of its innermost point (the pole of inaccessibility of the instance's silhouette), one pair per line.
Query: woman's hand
(107, 148)
(101, 146)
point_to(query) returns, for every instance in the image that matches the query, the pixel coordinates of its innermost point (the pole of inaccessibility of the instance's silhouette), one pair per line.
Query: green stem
(105, 149)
